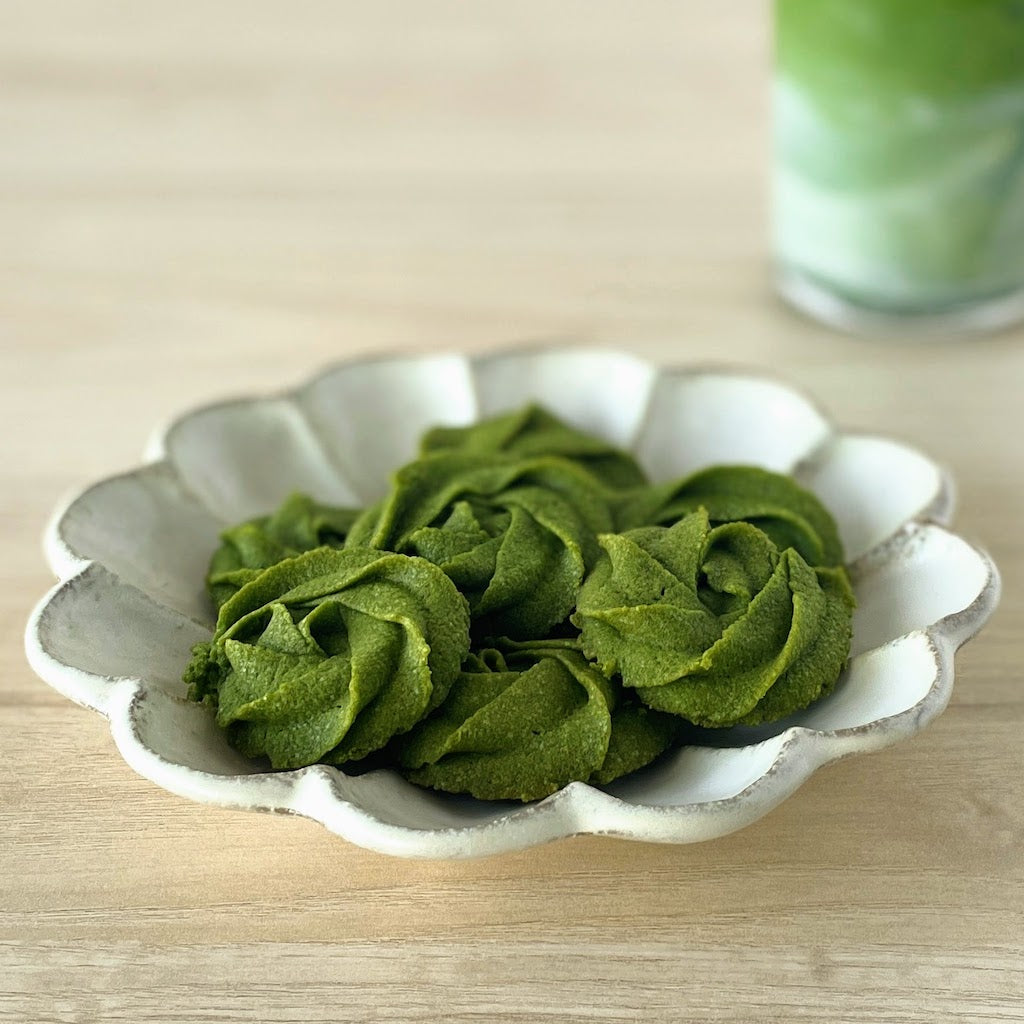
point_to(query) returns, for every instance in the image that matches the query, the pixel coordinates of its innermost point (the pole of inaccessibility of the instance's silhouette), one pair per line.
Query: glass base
(811, 297)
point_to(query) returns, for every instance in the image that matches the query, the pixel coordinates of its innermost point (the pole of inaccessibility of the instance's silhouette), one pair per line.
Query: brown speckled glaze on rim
(142, 707)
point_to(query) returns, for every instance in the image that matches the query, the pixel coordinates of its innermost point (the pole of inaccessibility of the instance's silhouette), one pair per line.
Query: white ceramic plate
(131, 554)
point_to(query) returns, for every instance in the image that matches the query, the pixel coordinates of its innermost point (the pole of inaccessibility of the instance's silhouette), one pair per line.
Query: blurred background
(199, 199)
(340, 167)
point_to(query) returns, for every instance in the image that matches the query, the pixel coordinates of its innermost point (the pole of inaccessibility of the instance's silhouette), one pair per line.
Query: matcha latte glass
(899, 161)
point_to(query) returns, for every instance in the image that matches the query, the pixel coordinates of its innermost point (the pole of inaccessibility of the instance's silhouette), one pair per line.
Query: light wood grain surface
(204, 199)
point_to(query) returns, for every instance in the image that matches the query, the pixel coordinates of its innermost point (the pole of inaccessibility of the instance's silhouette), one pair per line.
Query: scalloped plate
(131, 554)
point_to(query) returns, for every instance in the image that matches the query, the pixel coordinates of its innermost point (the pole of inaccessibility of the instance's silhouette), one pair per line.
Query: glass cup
(899, 161)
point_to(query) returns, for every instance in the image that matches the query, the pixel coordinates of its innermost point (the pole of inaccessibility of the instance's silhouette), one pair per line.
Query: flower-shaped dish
(131, 553)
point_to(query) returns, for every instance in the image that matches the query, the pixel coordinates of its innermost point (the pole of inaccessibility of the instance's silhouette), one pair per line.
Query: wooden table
(204, 199)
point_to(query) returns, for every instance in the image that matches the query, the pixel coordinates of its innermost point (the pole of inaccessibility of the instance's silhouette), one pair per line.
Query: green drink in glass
(899, 163)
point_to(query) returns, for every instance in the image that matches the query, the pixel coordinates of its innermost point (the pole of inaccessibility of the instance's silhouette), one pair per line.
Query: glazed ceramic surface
(131, 554)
